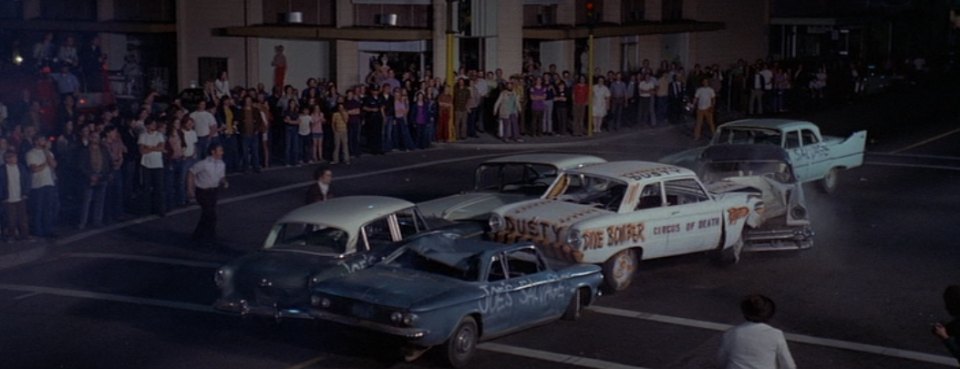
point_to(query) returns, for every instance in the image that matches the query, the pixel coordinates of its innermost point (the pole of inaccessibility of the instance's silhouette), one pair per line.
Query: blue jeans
(291, 145)
(661, 109)
(44, 206)
(181, 197)
(231, 152)
(353, 138)
(403, 133)
(174, 183)
(115, 200)
(93, 202)
(203, 143)
(389, 136)
(424, 135)
(251, 152)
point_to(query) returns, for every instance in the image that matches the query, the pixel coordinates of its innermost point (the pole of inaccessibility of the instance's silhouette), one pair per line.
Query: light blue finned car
(455, 292)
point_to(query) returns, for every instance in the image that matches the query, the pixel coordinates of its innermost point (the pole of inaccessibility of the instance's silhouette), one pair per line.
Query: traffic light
(591, 10)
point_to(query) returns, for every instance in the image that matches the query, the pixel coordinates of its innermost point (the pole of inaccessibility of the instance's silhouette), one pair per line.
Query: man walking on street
(203, 182)
(754, 344)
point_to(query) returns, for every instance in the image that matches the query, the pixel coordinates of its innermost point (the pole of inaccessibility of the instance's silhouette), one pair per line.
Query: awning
(87, 26)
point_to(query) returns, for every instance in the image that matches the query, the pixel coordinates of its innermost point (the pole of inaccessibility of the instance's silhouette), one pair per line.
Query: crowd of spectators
(94, 166)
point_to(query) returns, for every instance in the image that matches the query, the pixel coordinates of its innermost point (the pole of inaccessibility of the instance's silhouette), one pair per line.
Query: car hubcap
(624, 267)
(464, 341)
(831, 178)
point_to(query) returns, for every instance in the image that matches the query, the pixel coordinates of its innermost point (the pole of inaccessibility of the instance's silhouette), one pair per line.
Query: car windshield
(462, 266)
(317, 238)
(773, 169)
(583, 189)
(520, 178)
(747, 135)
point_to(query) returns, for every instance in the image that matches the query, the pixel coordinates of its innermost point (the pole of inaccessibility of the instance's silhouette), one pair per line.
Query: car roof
(347, 213)
(562, 161)
(744, 152)
(632, 170)
(778, 124)
(453, 251)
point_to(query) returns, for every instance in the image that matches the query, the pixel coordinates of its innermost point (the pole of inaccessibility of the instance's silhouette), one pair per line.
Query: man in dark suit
(320, 191)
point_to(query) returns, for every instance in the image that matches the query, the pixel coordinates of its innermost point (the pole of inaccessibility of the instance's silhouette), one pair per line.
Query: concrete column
(653, 10)
(31, 9)
(439, 38)
(612, 10)
(566, 13)
(105, 10)
(345, 57)
(344, 9)
(251, 68)
(510, 37)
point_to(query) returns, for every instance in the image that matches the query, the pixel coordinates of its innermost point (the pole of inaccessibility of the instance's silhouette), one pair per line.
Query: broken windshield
(310, 237)
(519, 178)
(773, 169)
(583, 189)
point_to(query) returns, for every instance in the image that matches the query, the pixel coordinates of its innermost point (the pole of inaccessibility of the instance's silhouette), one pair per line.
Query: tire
(828, 184)
(463, 343)
(619, 270)
(574, 307)
(731, 255)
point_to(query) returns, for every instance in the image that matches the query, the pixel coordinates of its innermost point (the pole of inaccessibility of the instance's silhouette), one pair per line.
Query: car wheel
(731, 255)
(618, 271)
(463, 343)
(829, 182)
(573, 307)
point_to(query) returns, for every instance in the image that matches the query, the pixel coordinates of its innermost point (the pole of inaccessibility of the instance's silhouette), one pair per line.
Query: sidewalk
(18, 253)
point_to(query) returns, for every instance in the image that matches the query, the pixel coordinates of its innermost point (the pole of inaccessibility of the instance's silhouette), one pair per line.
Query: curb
(606, 136)
(21, 257)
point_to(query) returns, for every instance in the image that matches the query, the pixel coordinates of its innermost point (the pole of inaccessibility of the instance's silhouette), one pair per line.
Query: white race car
(619, 213)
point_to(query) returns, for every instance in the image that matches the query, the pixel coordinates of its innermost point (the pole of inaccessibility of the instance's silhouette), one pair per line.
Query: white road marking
(921, 166)
(308, 363)
(924, 142)
(145, 258)
(113, 227)
(109, 297)
(553, 357)
(494, 347)
(799, 338)
(918, 156)
(27, 295)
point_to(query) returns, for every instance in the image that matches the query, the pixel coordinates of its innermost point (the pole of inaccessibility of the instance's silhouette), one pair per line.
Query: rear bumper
(779, 238)
(242, 307)
(405, 332)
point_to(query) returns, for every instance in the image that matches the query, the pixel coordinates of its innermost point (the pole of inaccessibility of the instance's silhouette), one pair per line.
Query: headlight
(574, 239)
(319, 301)
(798, 212)
(222, 277)
(496, 222)
(403, 318)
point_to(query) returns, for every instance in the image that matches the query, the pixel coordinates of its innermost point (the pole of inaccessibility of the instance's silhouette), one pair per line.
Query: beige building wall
(195, 19)
(744, 37)
(440, 39)
(346, 55)
(305, 59)
(510, 37)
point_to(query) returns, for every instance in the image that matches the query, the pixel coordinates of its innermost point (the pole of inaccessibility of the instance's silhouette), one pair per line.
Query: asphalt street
(139, 295)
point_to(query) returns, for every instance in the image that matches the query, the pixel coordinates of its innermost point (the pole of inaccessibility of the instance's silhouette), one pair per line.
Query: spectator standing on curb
(15, 182)
(317, 121)
(461, 98)
(251, 122)
(754, 344)
(705, 100)
(44, 202)
(538, 95)
(508, 109)
(95, 164)
(948, 333)
(581, 98)
(618, 100)
(118, 152)
(645, 101)
(203, 183)
(152, 145)
(291, 120)
(677, 102)
(354, 122)
(601, 102)
(175, 185)
(561, 104)
(204, 122)
(341, 148)
(320, 191)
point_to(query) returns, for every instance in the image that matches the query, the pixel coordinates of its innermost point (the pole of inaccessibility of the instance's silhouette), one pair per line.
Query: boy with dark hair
(754, 344)
(14, 186)
(948, 332)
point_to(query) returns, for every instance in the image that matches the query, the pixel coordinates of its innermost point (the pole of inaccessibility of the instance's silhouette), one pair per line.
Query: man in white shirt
(204, 123)
(15, 185)
(44, 202)
(203, 182)
(705, 100)
(646, 88)
(151, 145)
(754, 344)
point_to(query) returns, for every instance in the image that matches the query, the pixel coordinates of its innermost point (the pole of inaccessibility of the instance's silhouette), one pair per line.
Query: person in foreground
(754, 344)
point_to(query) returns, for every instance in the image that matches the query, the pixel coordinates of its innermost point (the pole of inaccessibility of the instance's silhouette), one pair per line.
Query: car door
(497, 304)
(698, 215)
(794, 147)
(652, 211)
(535, 289)
(817, 152)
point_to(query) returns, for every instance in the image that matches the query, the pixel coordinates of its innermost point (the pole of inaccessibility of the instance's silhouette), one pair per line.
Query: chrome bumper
(409, 333)
(776, 239)
(242, 307)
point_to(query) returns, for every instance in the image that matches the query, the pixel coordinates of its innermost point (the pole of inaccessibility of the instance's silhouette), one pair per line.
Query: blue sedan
(455, 293)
